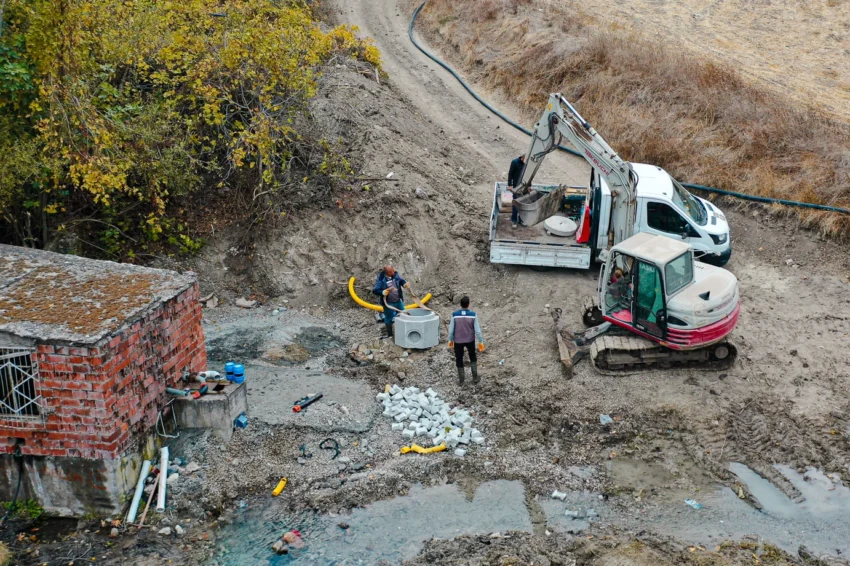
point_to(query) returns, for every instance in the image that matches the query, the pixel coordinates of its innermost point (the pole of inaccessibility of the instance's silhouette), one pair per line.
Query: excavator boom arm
(562, 120)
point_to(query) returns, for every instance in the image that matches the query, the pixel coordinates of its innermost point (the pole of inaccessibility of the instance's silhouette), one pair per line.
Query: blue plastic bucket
(228, 370)
(238, 373)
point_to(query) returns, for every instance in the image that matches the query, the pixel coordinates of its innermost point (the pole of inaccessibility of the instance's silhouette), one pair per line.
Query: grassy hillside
(653, 101)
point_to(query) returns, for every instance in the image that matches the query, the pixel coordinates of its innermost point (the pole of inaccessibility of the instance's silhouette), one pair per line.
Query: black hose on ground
(703, 188)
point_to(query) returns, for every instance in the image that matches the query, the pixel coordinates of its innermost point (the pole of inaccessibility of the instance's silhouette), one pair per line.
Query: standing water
(389, 531)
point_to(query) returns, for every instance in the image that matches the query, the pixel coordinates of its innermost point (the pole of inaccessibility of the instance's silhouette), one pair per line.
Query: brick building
(87, 349)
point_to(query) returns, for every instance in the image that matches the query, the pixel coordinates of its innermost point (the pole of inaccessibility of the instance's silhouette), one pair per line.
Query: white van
(665, 207)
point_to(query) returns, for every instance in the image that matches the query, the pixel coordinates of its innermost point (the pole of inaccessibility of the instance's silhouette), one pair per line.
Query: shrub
(115, 110)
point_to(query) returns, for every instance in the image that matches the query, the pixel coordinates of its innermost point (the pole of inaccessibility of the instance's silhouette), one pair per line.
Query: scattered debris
(280, 547)
(335, 447)
(165, 531)
(559, 495)
(293, 538)
(606, 419)
(693, 503)
(280, 487)
(419, 450)
(179, 530)
(305, 402)
(420, 193)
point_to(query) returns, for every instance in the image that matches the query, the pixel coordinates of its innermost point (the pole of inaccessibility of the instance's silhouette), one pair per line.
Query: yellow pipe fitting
(374, 307)
(281, 484)
(419, 450)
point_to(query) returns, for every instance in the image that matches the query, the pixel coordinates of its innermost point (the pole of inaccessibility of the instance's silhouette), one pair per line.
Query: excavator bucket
(568, 349)
(538, 206)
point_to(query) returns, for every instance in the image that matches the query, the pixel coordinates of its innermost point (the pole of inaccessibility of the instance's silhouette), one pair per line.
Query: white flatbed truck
(644, 198)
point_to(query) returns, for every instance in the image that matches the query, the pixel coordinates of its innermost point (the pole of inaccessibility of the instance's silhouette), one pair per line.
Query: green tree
(111, 111)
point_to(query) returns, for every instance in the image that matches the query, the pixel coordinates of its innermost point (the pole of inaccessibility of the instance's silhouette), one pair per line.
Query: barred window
(19, 394)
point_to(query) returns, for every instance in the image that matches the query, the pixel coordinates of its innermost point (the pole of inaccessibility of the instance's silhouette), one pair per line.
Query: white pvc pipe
(140, 488)
(163, 477)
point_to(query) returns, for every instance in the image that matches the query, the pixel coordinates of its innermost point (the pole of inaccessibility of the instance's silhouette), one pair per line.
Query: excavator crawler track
(624, 353)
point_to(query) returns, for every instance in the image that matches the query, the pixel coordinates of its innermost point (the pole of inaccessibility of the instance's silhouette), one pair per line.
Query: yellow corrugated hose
(374, 307)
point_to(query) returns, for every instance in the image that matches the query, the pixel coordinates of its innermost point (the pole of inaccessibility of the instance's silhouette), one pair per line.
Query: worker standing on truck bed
(514, 180)
(388, 286)
(463, 331)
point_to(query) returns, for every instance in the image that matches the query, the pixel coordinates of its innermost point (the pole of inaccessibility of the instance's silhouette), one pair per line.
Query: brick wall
(99, 400)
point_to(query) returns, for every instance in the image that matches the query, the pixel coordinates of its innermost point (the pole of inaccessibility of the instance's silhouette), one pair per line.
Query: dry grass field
(669, 99)
(797, 48)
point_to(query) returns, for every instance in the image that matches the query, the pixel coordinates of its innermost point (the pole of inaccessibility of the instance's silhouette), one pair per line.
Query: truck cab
(666, 208)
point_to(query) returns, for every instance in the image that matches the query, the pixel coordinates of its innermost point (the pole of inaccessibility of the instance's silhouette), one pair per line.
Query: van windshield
(687, 202)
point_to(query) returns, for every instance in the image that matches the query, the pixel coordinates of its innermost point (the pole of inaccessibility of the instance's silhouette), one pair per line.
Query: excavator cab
(652, 286)
(634, 293)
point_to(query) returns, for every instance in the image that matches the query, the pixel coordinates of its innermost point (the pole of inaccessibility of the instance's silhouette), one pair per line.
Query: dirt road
(440, 98)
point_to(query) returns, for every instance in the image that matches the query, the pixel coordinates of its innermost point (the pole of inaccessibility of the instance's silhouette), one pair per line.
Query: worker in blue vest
(463, 331)
(389, 286)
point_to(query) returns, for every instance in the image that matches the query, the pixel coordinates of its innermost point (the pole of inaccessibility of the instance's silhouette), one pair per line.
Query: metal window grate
(19, 391)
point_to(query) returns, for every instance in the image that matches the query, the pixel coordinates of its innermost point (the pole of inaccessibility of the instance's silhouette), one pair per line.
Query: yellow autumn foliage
(129, 104)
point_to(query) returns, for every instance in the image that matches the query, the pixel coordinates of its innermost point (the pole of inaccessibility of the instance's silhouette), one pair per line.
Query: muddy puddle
(384, 532)
(820, 519)
(388, 532)
(270, 340)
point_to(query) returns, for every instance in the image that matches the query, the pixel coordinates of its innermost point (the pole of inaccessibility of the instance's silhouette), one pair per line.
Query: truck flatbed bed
(534, 234)
(532, 245)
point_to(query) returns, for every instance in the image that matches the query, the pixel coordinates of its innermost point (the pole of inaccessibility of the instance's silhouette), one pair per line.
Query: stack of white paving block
(424, 414)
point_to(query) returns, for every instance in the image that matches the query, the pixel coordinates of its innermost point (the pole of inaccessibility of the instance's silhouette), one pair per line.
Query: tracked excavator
(655, 306)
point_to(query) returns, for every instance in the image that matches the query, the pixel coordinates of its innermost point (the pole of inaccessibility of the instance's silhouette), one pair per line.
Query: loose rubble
(418, 414)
